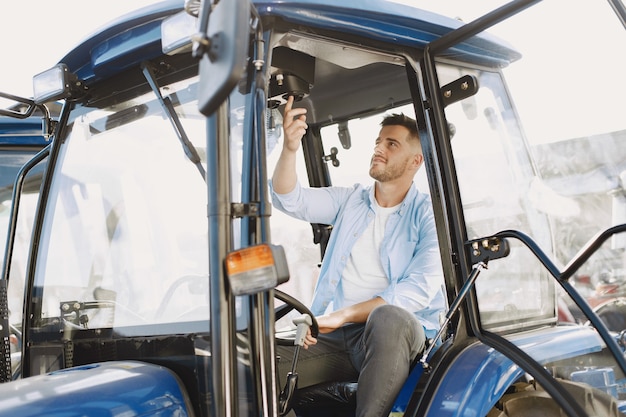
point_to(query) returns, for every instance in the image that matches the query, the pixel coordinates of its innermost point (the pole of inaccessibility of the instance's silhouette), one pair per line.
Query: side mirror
(222, 46)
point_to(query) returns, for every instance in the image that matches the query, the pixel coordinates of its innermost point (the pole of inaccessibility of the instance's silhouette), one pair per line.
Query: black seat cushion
(330, 398)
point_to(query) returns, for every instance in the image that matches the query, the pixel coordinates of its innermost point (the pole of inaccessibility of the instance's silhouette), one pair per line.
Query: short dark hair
(401, 119)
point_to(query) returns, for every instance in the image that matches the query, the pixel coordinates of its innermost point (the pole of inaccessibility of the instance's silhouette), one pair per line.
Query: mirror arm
(18, 114)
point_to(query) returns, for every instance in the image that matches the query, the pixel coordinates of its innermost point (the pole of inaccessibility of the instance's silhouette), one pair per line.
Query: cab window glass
(126, 238)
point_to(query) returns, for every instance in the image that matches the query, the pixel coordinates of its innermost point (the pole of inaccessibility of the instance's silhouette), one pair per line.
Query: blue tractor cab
(159, 280)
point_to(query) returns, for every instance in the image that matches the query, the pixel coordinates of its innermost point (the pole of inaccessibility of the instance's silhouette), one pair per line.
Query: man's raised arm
(294, 126)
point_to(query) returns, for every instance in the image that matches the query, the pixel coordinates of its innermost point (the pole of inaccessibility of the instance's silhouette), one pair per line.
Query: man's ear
(418, 160)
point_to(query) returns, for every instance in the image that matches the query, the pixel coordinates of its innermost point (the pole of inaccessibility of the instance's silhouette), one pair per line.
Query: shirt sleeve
(419, 288)
(314, 205)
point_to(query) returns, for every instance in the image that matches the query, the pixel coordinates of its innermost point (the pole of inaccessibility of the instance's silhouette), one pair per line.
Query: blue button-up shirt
(409, 251)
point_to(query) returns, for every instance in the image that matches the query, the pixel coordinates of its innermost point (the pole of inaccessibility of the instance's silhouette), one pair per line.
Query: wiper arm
(169, 110)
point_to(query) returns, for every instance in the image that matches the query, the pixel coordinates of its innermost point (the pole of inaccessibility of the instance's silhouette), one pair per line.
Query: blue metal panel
(480, 375)
(404, 396)
(104, 389)
(473, 383)
(119, 36)
(21, 132)
(126, 49)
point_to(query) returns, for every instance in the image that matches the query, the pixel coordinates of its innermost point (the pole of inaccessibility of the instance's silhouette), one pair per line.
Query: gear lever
(303, 323)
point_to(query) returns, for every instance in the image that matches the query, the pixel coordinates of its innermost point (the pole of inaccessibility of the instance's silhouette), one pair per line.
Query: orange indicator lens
(245, 260)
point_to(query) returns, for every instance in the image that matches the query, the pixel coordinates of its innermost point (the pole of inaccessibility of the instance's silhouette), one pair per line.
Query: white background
(35, 35)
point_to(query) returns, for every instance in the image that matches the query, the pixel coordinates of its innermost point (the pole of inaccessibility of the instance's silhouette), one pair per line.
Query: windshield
(127, 224)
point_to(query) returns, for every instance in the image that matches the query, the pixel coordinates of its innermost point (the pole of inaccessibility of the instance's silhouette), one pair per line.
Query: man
(379, 294)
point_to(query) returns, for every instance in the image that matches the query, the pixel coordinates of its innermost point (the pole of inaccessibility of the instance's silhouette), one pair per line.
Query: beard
(389, 172)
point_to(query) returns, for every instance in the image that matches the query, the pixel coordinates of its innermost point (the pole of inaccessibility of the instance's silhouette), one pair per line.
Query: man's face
(394, 156)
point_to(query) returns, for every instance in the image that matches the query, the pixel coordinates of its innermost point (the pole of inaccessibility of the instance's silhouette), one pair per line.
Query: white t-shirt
(363, 276)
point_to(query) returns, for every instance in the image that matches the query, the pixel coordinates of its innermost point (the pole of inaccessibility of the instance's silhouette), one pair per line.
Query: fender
(109, 388)
(480, 375)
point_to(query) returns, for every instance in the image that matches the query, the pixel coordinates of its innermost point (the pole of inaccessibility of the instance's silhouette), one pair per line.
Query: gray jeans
(377, 354)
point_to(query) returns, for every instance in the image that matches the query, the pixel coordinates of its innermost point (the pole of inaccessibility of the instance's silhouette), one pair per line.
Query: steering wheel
(292, 304)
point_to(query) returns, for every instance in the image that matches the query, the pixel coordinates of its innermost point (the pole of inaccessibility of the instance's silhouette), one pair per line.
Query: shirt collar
(410, 196)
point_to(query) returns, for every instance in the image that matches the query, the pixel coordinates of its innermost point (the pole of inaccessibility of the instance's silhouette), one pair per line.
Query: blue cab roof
(135, 37)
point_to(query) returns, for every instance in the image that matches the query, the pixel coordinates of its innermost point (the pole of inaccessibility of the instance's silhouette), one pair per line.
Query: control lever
(303, 323)
(469, 283)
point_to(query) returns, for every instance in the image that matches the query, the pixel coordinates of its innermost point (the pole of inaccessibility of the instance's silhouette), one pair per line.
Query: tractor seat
(332, 399)
(338, 399)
